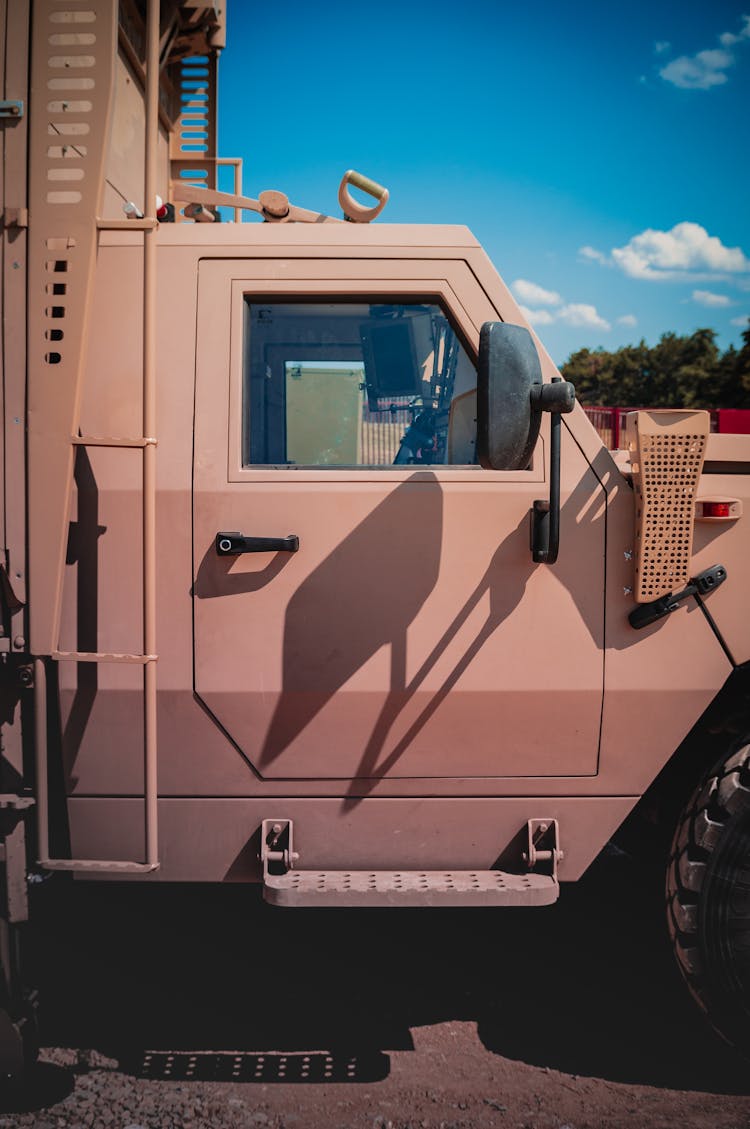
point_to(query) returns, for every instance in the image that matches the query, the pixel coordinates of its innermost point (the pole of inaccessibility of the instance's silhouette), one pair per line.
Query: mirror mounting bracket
(556, 398)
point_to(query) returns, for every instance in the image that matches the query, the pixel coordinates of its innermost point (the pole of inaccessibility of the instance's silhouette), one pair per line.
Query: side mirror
(507, 419)
(511, 397)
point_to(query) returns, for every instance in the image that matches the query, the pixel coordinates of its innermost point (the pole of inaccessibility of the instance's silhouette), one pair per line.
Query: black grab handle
(232, 544)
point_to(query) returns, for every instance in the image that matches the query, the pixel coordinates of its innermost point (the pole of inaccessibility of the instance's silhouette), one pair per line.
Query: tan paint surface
(125, 157)
(395, 641)
(727, 544)
(217, 840)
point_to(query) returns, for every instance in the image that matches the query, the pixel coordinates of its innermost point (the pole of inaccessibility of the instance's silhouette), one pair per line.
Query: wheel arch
(723, 724)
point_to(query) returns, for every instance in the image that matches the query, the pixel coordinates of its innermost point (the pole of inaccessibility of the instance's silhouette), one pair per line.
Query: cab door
(409, 635)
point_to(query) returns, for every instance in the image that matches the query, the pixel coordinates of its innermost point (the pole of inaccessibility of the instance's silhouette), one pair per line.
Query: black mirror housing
(508, 413)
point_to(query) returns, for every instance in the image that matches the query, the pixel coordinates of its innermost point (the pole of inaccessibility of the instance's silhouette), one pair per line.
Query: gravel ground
(167, 1007)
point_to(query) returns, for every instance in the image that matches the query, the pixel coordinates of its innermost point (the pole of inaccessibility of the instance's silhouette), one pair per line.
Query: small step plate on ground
(409, 888)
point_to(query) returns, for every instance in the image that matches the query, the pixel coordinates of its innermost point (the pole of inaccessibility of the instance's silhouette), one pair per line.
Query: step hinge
(543, 851)
(11, 108)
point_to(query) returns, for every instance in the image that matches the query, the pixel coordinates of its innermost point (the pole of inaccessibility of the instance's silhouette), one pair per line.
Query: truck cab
(317, 578)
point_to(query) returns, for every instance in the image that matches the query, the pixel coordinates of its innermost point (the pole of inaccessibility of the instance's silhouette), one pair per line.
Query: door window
(335, 384)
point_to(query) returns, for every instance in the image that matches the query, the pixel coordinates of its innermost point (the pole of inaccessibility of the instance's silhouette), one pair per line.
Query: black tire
(708, 897)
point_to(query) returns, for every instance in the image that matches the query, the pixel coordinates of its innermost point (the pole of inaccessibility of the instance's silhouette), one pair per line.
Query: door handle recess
(232, 544)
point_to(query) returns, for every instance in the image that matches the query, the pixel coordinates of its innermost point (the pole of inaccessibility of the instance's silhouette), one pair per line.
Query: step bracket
(284, 885)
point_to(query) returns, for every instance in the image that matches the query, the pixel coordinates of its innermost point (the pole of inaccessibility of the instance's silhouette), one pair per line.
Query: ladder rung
(111, 441)
(143, 224)
(99, 866)
(102, 657)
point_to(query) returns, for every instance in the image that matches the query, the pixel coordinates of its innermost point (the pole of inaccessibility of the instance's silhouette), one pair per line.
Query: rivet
(19, 642)
(627, 591)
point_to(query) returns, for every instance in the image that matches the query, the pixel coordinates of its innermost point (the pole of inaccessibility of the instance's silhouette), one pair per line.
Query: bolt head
(19, 642)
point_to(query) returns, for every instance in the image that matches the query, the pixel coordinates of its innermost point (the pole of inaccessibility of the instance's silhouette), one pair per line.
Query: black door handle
(232, 544)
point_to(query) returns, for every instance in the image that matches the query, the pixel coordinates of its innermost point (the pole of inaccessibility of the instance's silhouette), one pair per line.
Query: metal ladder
(66, 220)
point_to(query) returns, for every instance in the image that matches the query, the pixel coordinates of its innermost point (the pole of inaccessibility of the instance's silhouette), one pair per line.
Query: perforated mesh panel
(193, 143)
(667, 451)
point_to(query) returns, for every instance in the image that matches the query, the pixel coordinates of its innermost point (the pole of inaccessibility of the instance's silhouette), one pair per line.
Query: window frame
(355, 290)
(278, 351)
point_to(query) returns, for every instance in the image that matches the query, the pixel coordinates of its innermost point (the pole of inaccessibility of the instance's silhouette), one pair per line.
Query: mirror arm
(555, 398)
(545, 516)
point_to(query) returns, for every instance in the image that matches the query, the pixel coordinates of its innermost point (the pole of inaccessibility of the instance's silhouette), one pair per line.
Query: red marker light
(717, 509)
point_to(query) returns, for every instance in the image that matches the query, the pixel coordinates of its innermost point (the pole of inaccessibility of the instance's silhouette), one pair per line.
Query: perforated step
(409, 888)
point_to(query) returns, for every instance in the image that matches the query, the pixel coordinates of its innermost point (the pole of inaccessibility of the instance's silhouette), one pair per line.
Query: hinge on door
(11, 108)
(16, 217)
(543, 846)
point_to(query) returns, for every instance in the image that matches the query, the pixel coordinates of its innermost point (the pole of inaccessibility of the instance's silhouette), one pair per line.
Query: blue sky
(599, 152)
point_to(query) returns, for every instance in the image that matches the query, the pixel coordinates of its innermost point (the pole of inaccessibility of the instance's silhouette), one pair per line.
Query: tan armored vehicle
(314, 575)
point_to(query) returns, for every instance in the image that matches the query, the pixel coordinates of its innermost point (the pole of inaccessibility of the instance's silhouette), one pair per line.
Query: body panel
(215, 840)
(657, 682)
(396, 640)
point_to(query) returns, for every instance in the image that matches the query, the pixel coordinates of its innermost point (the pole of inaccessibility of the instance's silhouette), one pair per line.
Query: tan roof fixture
(274, 206)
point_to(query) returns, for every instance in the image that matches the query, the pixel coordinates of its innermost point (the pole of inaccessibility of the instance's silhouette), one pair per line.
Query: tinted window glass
(343, 384)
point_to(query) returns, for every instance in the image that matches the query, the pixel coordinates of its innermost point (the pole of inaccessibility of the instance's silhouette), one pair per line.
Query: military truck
(314, 575)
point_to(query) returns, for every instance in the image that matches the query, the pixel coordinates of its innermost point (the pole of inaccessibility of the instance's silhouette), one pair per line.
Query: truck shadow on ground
(150, 974)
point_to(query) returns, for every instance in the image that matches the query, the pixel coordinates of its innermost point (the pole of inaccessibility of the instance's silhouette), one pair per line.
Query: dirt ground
(189, 1006)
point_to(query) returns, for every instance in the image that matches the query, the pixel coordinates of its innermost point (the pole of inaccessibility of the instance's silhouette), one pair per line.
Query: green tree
(678, 372)
(742, 370)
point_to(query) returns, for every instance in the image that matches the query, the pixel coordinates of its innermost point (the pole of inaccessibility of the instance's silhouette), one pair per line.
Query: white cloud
(678, 254)
(529, 292)
(661, 46)
(701, 72)
(706, 68)
(729, 39)
(741, 322)
(594, 256)
(628, 319)
(582, 316)
(537, 317)
(708, 298)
